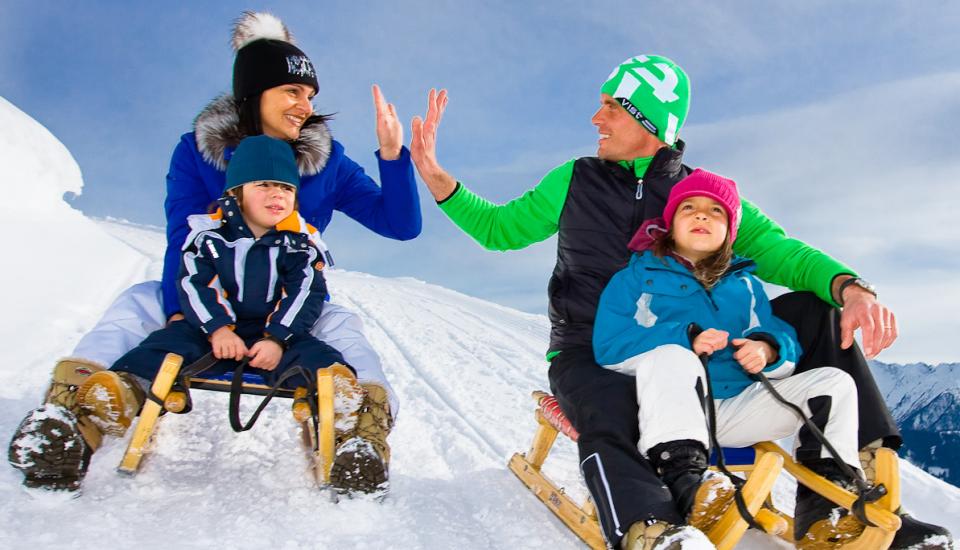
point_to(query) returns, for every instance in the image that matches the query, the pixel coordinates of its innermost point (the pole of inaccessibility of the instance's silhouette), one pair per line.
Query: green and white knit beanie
(655, 91)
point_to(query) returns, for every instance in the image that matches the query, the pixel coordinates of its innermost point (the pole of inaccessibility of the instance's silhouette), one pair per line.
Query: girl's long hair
(708, 270)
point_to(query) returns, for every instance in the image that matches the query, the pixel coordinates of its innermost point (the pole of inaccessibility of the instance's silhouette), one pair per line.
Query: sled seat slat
(253, 384)
(550, 410)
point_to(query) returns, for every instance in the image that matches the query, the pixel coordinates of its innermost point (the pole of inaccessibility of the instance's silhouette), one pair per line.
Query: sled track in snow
(428, 381)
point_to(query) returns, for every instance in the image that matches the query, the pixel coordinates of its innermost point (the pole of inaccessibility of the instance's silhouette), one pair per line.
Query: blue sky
(837, 118)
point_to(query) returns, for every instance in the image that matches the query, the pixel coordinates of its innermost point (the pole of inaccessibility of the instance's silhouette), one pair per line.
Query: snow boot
(49, 450)
(818, 523)
(913, 533)
(68, 374)
(701, 495)
(917, 535)
(362, 459)
(658, 535)
(111, 399)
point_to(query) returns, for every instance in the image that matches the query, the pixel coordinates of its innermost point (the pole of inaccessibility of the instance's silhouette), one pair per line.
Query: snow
(463, 368)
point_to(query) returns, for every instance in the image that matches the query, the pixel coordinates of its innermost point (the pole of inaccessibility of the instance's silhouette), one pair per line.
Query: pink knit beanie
(701, 183)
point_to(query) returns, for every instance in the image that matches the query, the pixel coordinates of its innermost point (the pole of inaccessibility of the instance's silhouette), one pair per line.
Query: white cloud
(871, 177)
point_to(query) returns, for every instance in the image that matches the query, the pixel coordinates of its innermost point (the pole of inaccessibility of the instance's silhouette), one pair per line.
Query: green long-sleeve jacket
(586, 198)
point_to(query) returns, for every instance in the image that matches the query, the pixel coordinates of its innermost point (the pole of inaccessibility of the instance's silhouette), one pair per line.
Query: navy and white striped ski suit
(267, 287)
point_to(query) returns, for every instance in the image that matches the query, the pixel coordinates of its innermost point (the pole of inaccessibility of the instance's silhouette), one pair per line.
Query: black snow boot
(49, 450)
(917, 535)
(818, 522)
(702, 496)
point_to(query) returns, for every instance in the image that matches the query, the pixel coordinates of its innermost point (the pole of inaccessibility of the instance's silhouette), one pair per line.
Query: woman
(273, 84)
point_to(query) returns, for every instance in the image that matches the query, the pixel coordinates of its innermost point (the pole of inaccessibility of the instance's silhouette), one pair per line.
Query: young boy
(683, 294)
(251, 285)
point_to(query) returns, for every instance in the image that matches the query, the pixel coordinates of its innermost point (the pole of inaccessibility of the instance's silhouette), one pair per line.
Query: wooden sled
(318, 440)
(761, 470)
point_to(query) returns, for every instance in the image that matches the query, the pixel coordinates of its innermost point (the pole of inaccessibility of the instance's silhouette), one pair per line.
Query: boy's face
(699, 227)
(266, 203)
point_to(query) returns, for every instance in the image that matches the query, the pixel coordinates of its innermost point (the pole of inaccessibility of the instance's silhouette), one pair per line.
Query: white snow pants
(138, 311)
(670, 409)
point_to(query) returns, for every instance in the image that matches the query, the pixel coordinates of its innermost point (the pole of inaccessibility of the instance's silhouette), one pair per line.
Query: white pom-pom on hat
(252, 26)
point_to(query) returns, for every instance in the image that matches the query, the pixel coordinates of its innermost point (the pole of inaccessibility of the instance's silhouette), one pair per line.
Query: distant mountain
(925, 401)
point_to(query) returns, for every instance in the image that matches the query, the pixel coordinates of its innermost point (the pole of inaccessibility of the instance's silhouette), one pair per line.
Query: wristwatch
(862, 283)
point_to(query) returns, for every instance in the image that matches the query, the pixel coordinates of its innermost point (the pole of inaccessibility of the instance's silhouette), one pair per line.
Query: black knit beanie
(266, 56)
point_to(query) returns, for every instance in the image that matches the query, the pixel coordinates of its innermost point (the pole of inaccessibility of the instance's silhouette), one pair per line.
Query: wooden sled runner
(318, 433)
(761, 469)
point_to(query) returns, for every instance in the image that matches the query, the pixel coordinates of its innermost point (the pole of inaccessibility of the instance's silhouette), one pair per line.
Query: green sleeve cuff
(528, 219)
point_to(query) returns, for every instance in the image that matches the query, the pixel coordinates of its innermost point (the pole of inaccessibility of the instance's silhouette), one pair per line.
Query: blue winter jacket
(653, 301)
(229, 277)
(329, 181)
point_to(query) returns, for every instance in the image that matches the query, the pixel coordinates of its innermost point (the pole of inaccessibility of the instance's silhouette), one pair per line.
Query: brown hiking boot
(111, 400)
(68, 374)
(659, 535)
(362, 459)
(49, 450)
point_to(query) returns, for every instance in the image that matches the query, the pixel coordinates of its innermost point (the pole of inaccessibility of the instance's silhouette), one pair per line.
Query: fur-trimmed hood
(217, 128)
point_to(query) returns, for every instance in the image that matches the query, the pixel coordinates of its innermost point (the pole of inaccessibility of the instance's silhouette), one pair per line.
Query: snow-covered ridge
(462, 367)
(910, 388)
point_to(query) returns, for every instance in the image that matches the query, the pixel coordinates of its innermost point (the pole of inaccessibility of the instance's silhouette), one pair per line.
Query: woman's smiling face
(284, 109)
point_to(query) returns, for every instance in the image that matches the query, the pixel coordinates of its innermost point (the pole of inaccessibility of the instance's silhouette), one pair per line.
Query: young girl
(251, 285)
(683, 294)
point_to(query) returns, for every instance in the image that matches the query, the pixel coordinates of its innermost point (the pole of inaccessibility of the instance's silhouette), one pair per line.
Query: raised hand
(389, 129)
(423, 147)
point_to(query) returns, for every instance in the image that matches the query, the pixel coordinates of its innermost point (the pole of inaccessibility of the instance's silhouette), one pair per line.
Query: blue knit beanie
(262, 158)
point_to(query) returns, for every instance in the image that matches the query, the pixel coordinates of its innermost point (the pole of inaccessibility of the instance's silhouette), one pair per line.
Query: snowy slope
(463, 369)
(49, 288)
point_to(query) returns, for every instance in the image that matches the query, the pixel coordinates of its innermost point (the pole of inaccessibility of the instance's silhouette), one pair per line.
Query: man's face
(621, 136)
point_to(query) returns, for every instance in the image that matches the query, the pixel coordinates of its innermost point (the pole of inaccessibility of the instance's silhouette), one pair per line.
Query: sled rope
(866, 492)
(721, 462)
(236, 387)
(694, 330)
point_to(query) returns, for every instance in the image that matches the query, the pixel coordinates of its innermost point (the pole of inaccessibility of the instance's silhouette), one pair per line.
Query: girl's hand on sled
(265, 354)
(227, 345)
(753, 355)
(710, 340)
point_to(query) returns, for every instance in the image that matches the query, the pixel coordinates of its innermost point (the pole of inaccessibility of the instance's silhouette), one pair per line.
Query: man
(595, 205)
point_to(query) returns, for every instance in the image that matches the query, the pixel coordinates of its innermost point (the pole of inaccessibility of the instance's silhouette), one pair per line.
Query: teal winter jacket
(653, 301)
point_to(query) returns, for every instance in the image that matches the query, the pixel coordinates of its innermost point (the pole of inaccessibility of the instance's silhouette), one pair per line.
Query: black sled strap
(236, 389)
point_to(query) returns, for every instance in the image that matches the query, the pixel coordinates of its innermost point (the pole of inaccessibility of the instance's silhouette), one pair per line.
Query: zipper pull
(639, 188)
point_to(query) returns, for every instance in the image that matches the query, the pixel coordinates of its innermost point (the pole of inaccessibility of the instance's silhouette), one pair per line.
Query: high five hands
(753, 355)
(389, 129)
(423, 147)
